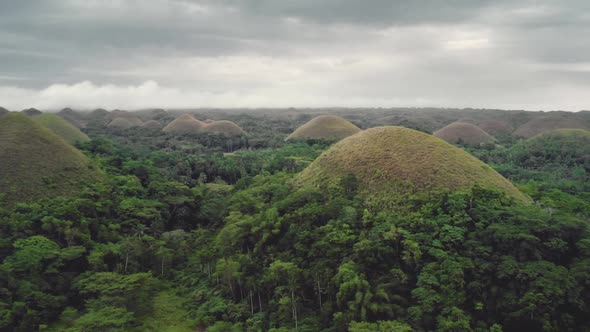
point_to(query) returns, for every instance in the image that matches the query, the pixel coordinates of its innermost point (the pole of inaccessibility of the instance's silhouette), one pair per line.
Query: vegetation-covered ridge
(36, 163)
(392, 162)
(62, 128)
(325, 126)
(548, 123)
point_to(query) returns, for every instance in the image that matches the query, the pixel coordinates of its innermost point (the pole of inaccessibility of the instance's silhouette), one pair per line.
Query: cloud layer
(266, 53)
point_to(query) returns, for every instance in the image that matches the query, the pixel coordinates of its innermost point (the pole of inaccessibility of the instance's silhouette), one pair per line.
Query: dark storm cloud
(529, 54)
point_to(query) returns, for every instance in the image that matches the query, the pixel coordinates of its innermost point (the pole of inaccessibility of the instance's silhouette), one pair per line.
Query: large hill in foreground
(36, 163)
(325, 126)
(391, 163)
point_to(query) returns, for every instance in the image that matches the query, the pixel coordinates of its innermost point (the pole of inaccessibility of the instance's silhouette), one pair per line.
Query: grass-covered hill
(36, 163)
(31, 112)
(75, 118)
(152, 124)
(62, 128)
(548, 123)
(390, 163)
(124, 123)
(495, 127)
(183, 125)
(325, 126)
(464, 133)
(223, 127)
(3, 111)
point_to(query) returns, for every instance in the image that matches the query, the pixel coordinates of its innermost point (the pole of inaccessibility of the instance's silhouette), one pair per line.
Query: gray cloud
(512, 54)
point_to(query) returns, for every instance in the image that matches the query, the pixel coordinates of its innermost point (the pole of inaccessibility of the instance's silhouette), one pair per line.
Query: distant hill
(548, 123)
(390, 163)
(152, 124)
(36, 163)
(224, 127)
(125, 123)
(495, 127)
(31, 112)
(464, 133)
(183, 125)
(75, 118)
(62, 128)
(325, 126)
(3, 111)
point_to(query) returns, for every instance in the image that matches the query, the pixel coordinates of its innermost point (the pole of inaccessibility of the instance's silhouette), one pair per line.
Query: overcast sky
(303, 53)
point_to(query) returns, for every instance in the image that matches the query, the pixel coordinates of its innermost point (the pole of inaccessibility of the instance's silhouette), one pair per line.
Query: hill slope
(62, 128)
(548, 123)
(224, 127)
(325, 126)
(184, 124)
(35, 163)
(495, 127)
(464, 133)
(391, 163)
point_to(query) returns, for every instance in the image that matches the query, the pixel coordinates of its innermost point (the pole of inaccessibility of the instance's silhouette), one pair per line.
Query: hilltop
(548, 123)
(125, 123)
(73, 117)
(152, 124)
(184, 124)
(325, 126)
(36, 163)
(391, 163)
(62, 128)
(464, 133)
(223, 127)
(495, 127)
(31, 112)
(3, 111)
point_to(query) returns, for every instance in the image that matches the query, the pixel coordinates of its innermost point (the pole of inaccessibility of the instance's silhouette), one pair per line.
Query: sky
(131, 54)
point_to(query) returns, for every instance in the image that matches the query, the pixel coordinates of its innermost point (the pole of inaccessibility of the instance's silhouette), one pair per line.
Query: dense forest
(210, 233)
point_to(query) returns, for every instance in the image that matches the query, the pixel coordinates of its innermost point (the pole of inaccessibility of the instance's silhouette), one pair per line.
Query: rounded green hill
(185, 124)
(548, 123)
(391, 163)
(325, 127)
(223, 127)
(62, 128)
(36, 163)
(464, 133)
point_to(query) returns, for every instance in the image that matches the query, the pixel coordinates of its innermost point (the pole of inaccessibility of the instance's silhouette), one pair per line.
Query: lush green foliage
(186, 233)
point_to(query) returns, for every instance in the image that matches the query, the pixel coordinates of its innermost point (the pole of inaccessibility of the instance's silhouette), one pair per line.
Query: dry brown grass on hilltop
(224, 127)
(325, 126)
(464, 133)
(36, 163)
(495, 127)
(183, 125)
(391, 163)
(548, 123)
(122, 124)
(152, 124)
